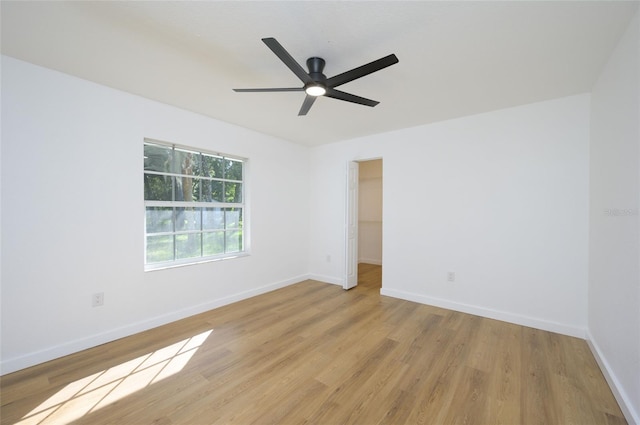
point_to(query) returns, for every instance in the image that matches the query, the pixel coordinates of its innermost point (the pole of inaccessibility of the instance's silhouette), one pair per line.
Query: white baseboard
(631, 415)
(517, 319)
(327, 279)
(50, 353)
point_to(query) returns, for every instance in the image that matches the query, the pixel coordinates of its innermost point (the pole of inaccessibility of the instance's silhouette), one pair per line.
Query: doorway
(364, 223)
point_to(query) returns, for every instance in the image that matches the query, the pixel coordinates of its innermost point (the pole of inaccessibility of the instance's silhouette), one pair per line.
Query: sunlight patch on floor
(89, 394)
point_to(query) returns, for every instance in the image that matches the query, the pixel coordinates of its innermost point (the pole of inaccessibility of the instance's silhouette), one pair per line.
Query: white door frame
(351, 227)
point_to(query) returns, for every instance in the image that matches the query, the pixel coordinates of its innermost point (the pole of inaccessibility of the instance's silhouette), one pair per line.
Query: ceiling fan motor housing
(318, 86)
(316, 66)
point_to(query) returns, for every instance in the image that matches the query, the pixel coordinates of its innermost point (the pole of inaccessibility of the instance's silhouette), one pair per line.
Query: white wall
(73, 214)
(614, 225)
(501, 199)
(370, 212)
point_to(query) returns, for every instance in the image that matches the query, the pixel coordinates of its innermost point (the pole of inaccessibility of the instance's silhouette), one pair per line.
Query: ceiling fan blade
(306, 105)
(269, 89)
(361, 71)
(340, 95)
(288, 60)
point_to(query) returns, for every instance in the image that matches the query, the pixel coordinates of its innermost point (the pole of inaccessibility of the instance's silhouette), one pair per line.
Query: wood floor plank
(505, 384)
(312, 353)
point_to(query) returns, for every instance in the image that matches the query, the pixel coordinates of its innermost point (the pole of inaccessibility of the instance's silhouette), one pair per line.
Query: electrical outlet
(451, 277)
(98, 299)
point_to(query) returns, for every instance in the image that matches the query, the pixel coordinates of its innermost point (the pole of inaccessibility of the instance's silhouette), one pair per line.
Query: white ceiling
(456, 58)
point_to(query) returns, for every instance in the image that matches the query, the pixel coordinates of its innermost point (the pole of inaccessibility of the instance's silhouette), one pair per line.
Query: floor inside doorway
(370, 276)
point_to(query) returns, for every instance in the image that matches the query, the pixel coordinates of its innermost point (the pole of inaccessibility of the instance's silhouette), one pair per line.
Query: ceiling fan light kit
(316, 84)
(315, 90)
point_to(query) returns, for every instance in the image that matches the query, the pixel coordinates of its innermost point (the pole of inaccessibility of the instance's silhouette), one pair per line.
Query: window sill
(156, 267)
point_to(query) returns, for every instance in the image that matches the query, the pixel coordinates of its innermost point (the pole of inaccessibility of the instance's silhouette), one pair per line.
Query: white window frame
(201, 205)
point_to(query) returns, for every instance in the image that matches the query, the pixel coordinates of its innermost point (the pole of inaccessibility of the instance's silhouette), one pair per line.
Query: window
(194, 205)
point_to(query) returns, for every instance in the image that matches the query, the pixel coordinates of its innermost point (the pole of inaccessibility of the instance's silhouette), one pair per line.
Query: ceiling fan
(316, 83)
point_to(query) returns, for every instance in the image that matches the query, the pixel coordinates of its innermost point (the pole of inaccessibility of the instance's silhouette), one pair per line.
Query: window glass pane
(157, 158)
(196, 194)
(233, 169)
(188, 245)
(206, 192)
(187, 189)
(233, 192)
(234, 241)
(212, 166)
(217, 194)
(159, 219)
(188, 219)
(233, 217)
(212, 243)
(157, 188)
(159, 248)
(186, 162)
(212, 219)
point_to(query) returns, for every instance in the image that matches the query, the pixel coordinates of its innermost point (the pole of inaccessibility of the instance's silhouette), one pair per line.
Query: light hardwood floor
(312, 353)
